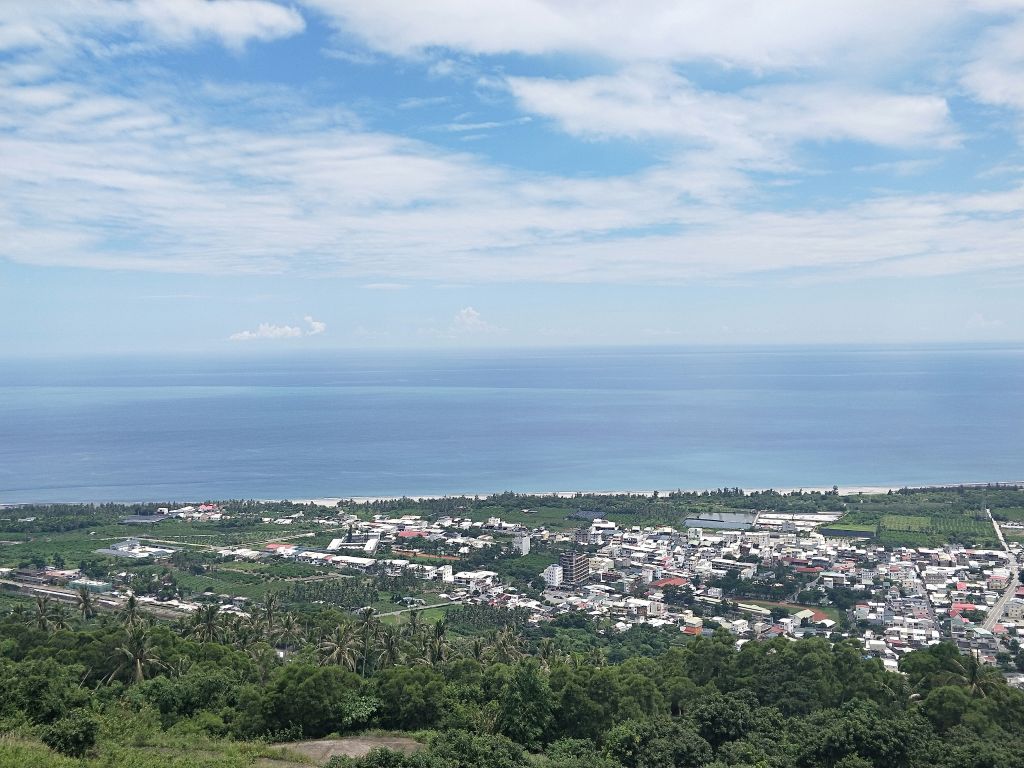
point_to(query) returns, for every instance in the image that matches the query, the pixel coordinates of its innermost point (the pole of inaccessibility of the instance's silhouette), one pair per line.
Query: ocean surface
(373, 424)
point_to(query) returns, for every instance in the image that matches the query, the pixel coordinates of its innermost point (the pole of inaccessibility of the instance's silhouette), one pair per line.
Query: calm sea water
(348, 424)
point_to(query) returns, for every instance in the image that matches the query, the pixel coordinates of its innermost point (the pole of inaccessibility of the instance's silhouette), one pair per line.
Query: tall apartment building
(575, 567)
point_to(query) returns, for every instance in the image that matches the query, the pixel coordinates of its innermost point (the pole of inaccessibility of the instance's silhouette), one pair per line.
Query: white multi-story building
(522, 544)
(553, 575)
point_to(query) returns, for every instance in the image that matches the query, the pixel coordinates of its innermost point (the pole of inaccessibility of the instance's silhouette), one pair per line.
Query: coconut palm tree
(136, 657)
(389, 647)
(546, 652)
(414, 625)
(59, 618)
(130, 615)
(207, 626)
(968, 672)
(269, 609)
(289, 632)
(339, 648)
(368, 624)
(508, 645)
(86, 604)
(436, 650)
(42, 615)
(477, 649)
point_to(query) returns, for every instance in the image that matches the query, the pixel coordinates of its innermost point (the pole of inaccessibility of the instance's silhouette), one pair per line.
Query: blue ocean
(350, 424)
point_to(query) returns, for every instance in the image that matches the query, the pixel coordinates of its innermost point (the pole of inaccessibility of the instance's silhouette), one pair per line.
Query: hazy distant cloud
(386, 286)
(979, 321)
(352, 57)
(417, 102)
(272, 331)
(468, 320)
(267, 331)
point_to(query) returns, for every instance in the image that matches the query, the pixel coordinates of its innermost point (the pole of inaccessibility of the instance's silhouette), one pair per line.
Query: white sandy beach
(844, 490)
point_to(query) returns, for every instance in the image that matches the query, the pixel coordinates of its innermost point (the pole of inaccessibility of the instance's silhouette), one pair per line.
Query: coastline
(332, 501)
(850, 490)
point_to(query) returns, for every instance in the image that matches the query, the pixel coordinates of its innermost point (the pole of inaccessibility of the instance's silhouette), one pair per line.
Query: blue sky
(218, 175)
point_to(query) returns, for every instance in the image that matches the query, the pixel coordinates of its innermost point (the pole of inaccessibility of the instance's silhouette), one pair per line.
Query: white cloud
(272, 331)
(468, 320)
(758, 35)
(318, 199)
(994, 75)
(267, 331)
(753, 124)
(30, 24)
(458, 127)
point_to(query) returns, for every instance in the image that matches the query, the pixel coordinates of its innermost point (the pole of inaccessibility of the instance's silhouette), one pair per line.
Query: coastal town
(756, 576)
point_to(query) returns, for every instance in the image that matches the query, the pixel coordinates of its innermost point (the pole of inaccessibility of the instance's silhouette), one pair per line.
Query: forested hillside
(122, 690)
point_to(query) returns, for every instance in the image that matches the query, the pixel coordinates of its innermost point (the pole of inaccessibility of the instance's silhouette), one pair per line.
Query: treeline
(560, 696)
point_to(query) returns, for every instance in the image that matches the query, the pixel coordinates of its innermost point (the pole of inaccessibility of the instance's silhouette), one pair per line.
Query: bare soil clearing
(319, 751)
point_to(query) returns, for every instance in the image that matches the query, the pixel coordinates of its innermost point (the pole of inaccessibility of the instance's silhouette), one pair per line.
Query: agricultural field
(1009, 514)
(906, 523)
(934, 528)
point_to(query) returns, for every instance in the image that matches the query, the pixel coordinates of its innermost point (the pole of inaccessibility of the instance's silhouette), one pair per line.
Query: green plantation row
(121, 690)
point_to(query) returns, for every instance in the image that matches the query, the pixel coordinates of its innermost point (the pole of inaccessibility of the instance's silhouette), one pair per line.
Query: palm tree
(414, 625)
(367, 629)
(289, 632)
(339, 648)
(265, 658)
(207, 627)
(269, 610)
(59, 618)
(967, 671)
(546, 652)
(136, 657)
(477, 649)
(389, 650)
(242, 631)
(43, 613)
(436, 650)
(130, 615)
(86, 604)
(508, 645)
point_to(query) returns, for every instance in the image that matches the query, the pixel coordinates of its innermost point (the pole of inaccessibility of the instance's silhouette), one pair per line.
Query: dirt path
(318, 752)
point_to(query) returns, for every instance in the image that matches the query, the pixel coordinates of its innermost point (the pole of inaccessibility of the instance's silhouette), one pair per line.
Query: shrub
(73, 735)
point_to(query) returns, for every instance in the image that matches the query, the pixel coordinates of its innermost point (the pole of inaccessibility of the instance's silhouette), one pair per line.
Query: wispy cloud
(227, 179)
(418, 102)
(458, 127)
(27, 24)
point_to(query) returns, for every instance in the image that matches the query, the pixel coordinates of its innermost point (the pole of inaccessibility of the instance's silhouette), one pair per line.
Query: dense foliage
(493, 693)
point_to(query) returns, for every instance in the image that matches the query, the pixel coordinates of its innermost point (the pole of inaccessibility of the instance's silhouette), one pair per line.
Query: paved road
(417, 608)
(103, 601)
(995, 614)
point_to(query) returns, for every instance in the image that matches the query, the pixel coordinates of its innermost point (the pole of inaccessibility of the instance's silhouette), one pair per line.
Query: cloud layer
(731, 103)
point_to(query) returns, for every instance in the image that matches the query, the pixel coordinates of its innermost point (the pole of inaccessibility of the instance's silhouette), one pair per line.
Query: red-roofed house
(674, 581)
